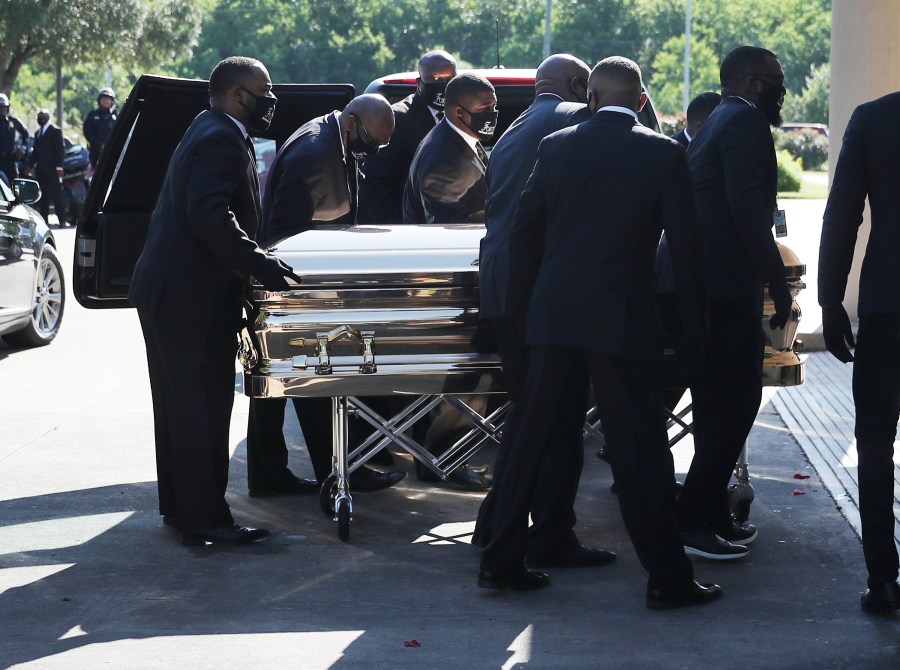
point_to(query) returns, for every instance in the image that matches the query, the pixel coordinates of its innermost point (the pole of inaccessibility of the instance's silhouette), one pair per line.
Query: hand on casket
(273, 274)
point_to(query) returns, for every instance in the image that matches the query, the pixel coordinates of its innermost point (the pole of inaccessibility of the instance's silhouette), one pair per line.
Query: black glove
(781, 296)
(837, 332)
(272, 273)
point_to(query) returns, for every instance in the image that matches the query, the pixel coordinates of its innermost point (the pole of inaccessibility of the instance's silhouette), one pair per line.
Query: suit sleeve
(526, 240)
(217, 167)
(445, 197)
(746, 156)
(685, 244)
(23, 132)
(292, 204)
(843, 213)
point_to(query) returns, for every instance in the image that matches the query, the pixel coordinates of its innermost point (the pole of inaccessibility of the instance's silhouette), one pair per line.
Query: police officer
(99, 123)
(9, 126)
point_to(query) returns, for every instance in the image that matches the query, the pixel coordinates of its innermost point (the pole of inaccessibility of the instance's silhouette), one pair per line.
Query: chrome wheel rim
(48, 298)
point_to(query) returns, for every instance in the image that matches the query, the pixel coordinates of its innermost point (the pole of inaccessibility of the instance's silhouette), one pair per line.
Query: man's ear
(642, 102)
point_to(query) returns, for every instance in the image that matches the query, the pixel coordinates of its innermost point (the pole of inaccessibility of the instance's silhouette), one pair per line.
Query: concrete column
(865, 64)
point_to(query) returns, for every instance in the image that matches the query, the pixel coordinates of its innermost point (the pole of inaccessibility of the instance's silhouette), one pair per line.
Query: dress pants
(192, 386)
(552, 513)
(51, 189)
(267, 453)
(629, 398)
(876, 395)
(725, 404)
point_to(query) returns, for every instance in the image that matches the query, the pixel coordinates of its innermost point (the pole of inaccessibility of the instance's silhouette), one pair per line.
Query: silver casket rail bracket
(366, 340)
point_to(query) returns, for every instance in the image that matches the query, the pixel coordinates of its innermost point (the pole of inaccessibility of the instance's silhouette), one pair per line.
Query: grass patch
(813, 185)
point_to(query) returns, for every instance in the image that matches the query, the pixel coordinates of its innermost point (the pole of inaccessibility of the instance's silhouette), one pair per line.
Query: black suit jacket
(681, 138)
(49, 151)
(584, 240)
(446, 181)
(868, 166)
(310, 181)
(200, 244)
(732, 161)
(512, 161)
(384, 174)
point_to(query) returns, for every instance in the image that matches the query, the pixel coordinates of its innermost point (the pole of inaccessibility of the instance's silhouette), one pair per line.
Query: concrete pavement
(89, 576)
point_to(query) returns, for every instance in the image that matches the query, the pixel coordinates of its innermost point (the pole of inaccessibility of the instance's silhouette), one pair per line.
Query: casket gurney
(393, 311)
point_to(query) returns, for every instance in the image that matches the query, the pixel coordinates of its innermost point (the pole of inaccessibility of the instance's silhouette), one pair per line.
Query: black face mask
(483, 123)
(433, 93)
(770, 101)
(262, 112)
(359, 147)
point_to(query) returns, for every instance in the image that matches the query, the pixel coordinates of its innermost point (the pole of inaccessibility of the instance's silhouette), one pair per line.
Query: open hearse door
(127, 180)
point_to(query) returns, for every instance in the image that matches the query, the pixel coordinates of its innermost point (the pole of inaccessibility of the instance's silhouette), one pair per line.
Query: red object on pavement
(799, 492)
(411, 643)
(799, 476)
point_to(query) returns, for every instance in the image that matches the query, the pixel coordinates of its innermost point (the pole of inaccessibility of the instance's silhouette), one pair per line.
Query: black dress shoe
(702, 541)
(517, 580)
(603, 455)
(227, 535)
(366, 479)
(736, 533)
(881, 599)
(289, 487)
(683, 596)
(467, 478)
(578, 556)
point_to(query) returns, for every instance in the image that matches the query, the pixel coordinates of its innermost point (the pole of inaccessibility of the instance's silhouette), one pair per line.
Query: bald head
(367, 122)
(616, 81)
(563, 75)
(437, 65)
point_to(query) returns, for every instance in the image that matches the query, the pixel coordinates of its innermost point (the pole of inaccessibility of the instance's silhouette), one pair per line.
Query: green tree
(140, 32)
(667, 81)
(812, 104)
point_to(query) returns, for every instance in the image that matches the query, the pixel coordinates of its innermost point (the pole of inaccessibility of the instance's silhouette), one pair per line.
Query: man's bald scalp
(557, 70)
(375, 112)
(435, 60)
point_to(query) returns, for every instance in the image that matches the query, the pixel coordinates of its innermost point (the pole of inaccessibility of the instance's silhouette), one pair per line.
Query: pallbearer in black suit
(187, 288)
(561, 94)
(446, 184)
(446, 179)
(697, 112)
(313, 180)
(581, 282)
(384, 175)
(732, 161)
(47, 157)
(868, 168)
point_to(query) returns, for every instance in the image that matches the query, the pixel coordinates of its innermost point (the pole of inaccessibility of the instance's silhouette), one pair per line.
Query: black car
(32, 288)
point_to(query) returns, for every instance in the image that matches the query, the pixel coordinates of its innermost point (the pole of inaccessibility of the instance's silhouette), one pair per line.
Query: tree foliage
(142, 33)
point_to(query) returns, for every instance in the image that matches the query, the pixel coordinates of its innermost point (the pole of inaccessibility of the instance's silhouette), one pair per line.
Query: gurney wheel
(327, 494)
(343, 519)
(742, 512)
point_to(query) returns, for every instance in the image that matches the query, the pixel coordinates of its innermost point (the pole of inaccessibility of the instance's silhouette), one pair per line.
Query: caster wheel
(327, 494)
(741, 512)
(343, 515)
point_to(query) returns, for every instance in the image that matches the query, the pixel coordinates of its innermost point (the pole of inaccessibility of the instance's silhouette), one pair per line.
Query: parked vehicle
(32, 287)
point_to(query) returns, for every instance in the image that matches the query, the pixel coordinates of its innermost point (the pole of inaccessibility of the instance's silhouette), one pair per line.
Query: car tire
(49, 304)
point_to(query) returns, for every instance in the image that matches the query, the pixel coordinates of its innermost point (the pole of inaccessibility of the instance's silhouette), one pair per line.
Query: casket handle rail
(366, 340)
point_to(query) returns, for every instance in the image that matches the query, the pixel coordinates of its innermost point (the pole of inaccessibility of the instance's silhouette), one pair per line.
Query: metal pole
(59, 94)
(686, 99)
(547, 21)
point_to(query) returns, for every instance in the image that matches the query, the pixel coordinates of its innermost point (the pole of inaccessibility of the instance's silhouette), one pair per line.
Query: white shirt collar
(239, 125)
(620, 110)
(471, 141)
(687, 136)
(44, 127)
(551, 95)
(744, 99)
(434, 113)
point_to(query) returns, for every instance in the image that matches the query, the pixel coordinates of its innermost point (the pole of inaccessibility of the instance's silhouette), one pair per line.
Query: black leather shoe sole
(583, 557)
(522, 580)
(696, 594)
(233, 536)
(882, 599)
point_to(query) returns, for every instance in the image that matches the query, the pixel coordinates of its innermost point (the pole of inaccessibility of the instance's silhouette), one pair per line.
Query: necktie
(438, 117)
(481, 154)
(249, 143)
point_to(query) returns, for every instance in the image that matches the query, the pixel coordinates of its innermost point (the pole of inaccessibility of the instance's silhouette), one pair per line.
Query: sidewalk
(90, 578)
